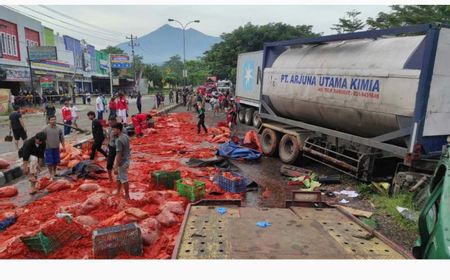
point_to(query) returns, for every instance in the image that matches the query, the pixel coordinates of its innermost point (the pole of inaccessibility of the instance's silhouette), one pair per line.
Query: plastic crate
(233, 186)
(47, 244)
(192, 193)
(111, 241)
(166, 178)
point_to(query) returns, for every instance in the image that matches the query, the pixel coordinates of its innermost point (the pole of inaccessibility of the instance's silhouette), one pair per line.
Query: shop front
(17, 78)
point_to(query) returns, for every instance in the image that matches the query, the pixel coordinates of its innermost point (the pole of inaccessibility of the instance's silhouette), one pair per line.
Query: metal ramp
(295, 233)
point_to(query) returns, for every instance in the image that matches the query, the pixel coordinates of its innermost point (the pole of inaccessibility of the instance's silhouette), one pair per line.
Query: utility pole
(133, 44)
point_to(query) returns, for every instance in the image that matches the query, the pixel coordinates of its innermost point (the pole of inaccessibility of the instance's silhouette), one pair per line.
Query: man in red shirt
(67, 117)
(140, 122)
(112, 107)
(122, 108)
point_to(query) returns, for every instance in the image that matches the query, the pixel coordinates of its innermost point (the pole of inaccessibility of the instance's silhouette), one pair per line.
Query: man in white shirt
(74, 111)
(100, 107)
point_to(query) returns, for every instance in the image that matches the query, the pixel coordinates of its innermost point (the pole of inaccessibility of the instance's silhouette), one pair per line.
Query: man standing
(139, 102)
(50, 109)
(17, 126)
(88, 97)
(122, 162)
(66, 113)
(201, 119)
(111, 139)
(122, 107)
(98, 134)
(54, 137)
(112, 108)
(100, 107)
(74, 111)
(32, 153)
(171, 96)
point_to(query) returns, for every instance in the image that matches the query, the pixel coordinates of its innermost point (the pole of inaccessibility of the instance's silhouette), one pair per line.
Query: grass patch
(386, 206)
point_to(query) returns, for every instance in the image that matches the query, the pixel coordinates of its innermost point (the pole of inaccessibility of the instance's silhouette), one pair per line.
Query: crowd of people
(113, 144)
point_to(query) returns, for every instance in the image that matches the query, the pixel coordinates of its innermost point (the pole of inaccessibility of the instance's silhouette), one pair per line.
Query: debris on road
(294, 171)
(3, 164)
(381, 187)
(357, 212)
(263, 224)
(408, 214)
(348, 193)
(8, 191)
(330, 179)
(233, 151)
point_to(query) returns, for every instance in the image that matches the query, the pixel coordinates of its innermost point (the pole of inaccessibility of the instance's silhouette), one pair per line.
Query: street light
(184, 45)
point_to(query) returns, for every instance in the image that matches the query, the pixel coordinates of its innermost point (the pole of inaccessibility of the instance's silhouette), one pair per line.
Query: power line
(64, 27)
(82, 22)
(65, 22)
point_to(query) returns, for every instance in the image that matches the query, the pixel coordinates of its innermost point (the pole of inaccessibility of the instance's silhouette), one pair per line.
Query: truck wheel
(256, 119)
(249, 116)
(269, 141)
(241, 115)
(289, 149)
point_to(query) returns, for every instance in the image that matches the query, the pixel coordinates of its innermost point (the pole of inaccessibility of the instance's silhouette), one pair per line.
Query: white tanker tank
(375, 88)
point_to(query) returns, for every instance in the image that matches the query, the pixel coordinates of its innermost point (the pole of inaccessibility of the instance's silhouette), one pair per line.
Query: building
(77, 63)
(17, 32)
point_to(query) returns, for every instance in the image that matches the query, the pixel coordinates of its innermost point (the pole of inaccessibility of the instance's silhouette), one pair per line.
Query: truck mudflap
(303, 230)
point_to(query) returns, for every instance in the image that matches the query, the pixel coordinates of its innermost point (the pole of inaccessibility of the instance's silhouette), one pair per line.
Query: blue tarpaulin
(233, 151)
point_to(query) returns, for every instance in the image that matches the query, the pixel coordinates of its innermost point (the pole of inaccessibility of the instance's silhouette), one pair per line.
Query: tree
(173, 70)
(153, 73)
(349, 23)
(222, 57)
(113, 50)
(197, 71)
(409, 15)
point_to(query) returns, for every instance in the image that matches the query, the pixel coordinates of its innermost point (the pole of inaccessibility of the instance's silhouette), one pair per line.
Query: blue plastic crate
(237, 186)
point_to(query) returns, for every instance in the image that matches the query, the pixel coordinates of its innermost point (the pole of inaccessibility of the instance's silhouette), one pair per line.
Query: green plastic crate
(39, 242)
(166, 178)
(47, 244)
(192, 193)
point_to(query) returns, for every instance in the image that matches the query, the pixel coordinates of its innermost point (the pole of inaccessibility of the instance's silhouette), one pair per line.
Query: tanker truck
(364, 103)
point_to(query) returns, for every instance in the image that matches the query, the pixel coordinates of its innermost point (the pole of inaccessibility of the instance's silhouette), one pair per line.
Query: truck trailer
(365, 103)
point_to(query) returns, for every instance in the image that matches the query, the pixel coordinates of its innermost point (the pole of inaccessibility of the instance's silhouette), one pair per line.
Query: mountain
(158, 46)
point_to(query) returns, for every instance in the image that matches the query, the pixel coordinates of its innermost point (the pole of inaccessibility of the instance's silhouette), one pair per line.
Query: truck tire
(241, 115)
(289, 149)
(269, 141)
(256, 119)
(249, 116)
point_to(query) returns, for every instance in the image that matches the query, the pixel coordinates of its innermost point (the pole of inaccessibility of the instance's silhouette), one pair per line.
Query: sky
(214, 20)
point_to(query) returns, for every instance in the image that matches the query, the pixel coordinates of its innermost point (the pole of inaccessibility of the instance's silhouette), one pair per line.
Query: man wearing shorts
(111, 139)
(54, 137)
(122, 162)
(17, 126)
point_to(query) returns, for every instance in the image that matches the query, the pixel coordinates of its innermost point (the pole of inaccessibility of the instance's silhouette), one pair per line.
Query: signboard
(42, 53)
(87, 62)
(46, 81)
(4, 99)
(104, 64)
(120, 61)
(17, 74)
(115, 82)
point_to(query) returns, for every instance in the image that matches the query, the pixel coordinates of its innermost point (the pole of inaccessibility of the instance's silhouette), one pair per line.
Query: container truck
(248, 86)
(365, 103)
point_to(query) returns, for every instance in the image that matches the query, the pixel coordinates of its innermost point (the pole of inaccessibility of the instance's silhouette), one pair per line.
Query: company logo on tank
(248, 75)
(365, 87)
